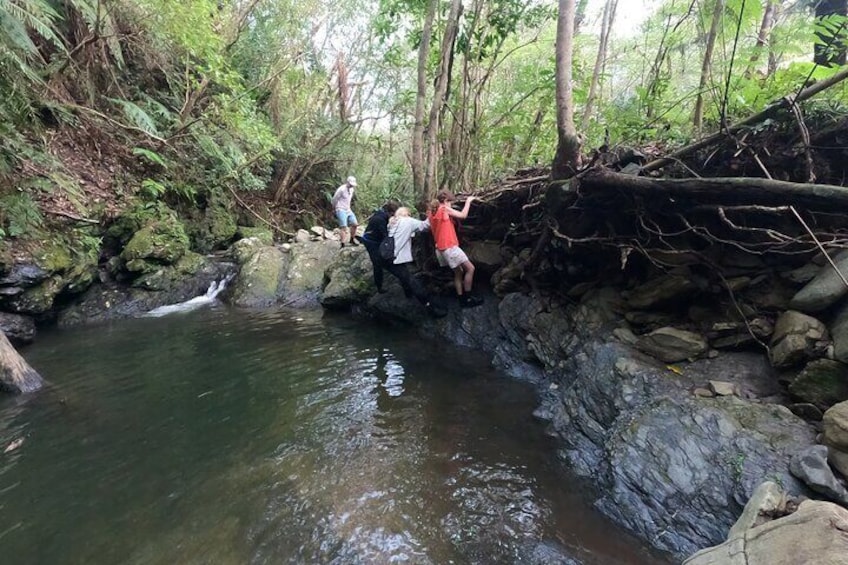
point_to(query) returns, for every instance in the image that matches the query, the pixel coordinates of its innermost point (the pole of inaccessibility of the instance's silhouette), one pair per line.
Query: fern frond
(36, 15)
(137, 116)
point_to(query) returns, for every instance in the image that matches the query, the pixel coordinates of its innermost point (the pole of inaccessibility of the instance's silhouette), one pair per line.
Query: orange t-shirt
(441, 224)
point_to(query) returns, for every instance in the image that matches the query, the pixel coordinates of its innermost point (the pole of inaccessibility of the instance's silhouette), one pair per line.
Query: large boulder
(16, 375)
(161, 242)
(304, 278)
(348, 280)
(823, 383)
(658, 293)
(260, 278)
(797, 338)
(815, 533)
(672, 344)
(19, 329)
(212, 226)
(811, 467)
(835, 424)
(825, 289)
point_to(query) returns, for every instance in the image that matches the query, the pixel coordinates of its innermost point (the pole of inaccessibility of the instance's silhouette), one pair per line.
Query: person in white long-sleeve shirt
(344, 211)
(403, 228)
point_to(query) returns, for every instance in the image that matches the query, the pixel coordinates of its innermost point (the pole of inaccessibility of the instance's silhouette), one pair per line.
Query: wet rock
(768, 500)
(348, 280)
(809, 412)
(825, 289)
(302, 236)
(703, 393)
(23, 275)
(109, 301)
(264, 235)
(797, 337)
(485, 254)
(723, 388)
(16, 375)
(835, 422)
(212, 226)
(671, 344)
(304, 277)
(839, 332)
(659, 293)
(260, 278)
(838, 459)
(649, 319)
(160, 242)
(815, 533)
(19, 329)
(823, 383)
(811, 467)
(244, 249)
(803, 274)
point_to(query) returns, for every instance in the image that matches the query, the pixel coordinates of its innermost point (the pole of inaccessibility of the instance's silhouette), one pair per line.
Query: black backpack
(387, 249)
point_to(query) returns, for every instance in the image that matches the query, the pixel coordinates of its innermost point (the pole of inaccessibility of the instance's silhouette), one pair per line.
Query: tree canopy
(290, 96)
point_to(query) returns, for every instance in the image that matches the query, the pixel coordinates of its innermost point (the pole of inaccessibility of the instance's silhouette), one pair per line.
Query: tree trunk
(722, 191)
(764, 35)
(440, 96)
(718, 10)
(606, 27)
(830, 50)
(567, 155)
(417, 159)
(16, 376)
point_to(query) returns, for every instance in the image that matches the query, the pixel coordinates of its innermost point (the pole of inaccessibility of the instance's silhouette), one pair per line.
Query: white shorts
(451, 257)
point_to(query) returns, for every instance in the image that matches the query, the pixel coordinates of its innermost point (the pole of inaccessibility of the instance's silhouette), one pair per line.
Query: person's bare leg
(457, 280)
(353, 228)
(468, 278)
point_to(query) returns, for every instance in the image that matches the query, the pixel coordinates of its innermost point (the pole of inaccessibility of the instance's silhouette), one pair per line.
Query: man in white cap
(344, 211)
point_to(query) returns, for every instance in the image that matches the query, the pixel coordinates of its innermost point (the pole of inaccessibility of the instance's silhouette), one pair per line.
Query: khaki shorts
(451, 257)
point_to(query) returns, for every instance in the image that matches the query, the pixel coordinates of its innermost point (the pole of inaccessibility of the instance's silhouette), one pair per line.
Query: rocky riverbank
(676, 429)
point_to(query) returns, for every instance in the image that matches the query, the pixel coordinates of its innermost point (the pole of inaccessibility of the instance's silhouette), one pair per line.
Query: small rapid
(207, 299)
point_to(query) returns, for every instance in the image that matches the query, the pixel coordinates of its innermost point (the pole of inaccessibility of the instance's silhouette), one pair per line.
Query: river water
(283, 437)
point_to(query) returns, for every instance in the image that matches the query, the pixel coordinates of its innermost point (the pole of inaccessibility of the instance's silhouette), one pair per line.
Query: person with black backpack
(402, 228)
(375, 232)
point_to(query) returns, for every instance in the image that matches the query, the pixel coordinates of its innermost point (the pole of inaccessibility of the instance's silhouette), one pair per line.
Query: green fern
(151, 156)
(100, 21)
(137, 116)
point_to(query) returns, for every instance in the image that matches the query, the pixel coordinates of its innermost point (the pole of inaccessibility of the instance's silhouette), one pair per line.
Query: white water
(211, 297)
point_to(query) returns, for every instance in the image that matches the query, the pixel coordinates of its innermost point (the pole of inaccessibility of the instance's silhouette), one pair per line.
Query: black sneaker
(343, 245)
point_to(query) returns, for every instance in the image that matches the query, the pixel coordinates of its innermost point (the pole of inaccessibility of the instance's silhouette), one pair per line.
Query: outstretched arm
(464, 213)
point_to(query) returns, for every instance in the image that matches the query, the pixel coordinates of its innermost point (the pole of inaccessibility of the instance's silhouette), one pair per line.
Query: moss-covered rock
(37, 299)
(212, 227)
(260, 279)
(136, 217)
(161, 242)
(823, 382)
(168, 277)
(264, 235)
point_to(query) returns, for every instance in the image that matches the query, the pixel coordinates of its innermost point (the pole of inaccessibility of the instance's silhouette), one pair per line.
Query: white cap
(351, 181)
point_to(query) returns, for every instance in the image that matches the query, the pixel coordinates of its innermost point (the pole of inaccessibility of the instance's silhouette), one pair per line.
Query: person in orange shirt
(448, 252)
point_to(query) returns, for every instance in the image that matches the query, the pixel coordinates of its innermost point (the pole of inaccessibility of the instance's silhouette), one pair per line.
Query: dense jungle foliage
(263, 106)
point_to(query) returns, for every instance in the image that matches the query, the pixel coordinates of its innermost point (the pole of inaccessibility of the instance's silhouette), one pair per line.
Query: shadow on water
(264, 437)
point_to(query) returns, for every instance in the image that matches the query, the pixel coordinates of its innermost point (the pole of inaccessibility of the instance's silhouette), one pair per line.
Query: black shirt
(378, 227)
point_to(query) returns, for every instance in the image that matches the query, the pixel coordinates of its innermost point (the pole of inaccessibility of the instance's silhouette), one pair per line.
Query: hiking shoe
(343, 245)
(353, 242)
(470, 301)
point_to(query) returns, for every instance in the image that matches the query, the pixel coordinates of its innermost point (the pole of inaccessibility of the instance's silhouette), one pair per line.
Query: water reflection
(225, 437)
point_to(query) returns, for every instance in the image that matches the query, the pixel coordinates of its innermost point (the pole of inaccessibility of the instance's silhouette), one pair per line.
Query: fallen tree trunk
(16, 375)
(785, 102)
(720, 190)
